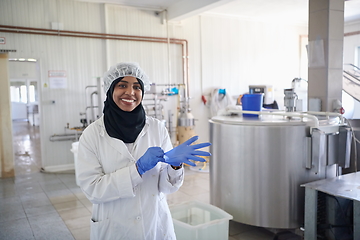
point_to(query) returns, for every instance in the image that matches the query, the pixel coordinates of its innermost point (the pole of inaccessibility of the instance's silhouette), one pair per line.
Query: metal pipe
(20, 29)
(90, 86)
(351, 33)
(92, 105)
(310, 115)
(100, 96)
(64, 137)
(88, 120)
(340, 116)
(285, 114)
(169, 85)
(52, 32)
(105, 36)
(168, 46)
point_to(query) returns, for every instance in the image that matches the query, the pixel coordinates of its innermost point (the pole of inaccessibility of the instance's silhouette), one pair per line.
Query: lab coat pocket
(108, 229)
(99, 230)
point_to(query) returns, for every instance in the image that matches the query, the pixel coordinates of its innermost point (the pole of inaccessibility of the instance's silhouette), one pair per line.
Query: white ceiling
(295, 11)
(291, 10)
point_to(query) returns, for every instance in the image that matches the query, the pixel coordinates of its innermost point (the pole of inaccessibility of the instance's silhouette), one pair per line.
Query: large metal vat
(257, 167)
(355, 147)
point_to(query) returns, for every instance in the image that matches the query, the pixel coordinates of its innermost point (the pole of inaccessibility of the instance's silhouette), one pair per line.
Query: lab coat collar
(115, 142)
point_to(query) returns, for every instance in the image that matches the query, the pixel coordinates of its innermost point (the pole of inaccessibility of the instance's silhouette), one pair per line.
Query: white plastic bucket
(200, 221)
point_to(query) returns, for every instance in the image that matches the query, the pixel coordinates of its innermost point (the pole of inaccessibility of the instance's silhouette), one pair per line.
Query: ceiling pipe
(351, 33)
(105, 36)
(168, 45)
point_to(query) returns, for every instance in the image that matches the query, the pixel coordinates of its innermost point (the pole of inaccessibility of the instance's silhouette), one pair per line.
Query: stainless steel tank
(257, 167)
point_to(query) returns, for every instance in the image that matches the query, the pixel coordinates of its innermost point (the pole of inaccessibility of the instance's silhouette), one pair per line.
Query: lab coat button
(138, 218)
(102, 133)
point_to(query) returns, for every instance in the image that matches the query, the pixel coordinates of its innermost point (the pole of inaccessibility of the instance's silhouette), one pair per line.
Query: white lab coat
(125, 204)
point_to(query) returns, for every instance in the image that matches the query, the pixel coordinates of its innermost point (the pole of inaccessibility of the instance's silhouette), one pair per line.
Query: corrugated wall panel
(223, 52)
(245, 64)
(153, 57)
(235, 53)
(76, 56)
(36, 14)
(83, 59)
(6, 13)
(74, 15)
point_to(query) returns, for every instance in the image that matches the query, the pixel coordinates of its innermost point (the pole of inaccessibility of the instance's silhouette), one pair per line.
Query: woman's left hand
(149, 160)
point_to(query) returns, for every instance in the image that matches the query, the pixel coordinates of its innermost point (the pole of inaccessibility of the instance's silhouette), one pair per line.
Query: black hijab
(120, 124)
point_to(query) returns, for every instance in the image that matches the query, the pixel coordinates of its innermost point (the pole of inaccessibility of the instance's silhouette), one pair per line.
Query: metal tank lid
(268, 120)
(328, 124)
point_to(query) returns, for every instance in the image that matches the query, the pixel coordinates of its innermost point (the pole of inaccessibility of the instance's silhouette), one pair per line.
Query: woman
(126, 164)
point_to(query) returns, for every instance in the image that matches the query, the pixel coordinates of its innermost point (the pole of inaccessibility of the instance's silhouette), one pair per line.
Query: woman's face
(127, 94)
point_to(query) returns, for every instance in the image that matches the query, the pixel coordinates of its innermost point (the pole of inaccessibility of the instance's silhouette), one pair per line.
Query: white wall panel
(223, 52)
(6, 13)
(152, 56)
(233, 54)
(83, 59)
(131, 21)
(76, 56)
(249, 53)
(74, 15)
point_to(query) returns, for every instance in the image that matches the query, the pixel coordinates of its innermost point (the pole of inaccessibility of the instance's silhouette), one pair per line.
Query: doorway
(25, 114)
(25, 101)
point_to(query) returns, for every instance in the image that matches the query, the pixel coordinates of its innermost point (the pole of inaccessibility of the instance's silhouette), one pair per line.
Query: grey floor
(36, 205)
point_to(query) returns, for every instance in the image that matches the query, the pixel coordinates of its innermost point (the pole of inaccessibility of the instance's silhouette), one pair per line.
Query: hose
(219, 101)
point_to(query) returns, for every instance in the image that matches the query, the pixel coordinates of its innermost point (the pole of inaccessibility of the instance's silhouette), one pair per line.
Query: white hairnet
(123, 70)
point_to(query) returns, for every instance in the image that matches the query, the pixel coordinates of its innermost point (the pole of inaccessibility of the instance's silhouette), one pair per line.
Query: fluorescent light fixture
(22, 60)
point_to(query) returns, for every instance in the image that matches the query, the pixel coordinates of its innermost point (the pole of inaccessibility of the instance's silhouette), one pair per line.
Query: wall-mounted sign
(57, 79)
(57, 73)
(2, 40)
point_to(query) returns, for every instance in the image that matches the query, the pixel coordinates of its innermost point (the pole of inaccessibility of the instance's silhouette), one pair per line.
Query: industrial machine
(290, 100)
(267, 90)
(96, 104)
(268, 93)
(258, 164)
(300, 87)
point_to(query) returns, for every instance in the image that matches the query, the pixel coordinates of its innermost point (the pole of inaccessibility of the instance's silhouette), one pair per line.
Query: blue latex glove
(184, 152)
(149, 160)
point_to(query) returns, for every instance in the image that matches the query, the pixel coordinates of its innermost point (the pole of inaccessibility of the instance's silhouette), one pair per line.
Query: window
(23, 91)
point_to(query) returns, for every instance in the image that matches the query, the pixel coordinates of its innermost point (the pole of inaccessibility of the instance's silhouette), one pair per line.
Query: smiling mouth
(128, 100)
